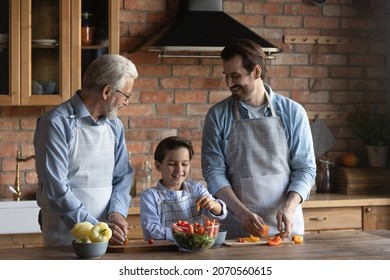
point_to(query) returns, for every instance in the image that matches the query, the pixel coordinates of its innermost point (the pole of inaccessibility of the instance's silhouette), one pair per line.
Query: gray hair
(108, 69)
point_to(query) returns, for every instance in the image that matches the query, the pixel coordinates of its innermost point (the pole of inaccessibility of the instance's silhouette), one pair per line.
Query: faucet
(19, 158)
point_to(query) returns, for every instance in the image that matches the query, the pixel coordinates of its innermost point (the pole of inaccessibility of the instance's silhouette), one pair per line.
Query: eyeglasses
(127, 96)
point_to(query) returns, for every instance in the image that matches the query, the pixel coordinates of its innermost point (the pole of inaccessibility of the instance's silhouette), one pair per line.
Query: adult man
(257, 149)
(81, 155)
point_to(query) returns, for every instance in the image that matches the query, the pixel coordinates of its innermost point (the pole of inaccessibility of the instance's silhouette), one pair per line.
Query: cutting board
(234, 242)
(139, 246)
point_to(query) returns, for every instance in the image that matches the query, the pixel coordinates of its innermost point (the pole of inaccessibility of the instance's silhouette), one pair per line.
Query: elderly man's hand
(119, 227)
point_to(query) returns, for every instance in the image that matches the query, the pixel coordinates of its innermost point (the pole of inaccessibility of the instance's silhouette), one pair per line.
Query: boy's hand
(206, 202)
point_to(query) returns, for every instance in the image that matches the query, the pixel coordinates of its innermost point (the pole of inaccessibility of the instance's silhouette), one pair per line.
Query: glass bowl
(89, 250)
(194, 237)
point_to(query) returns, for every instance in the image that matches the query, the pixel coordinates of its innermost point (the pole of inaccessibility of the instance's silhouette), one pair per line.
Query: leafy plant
(373, 129)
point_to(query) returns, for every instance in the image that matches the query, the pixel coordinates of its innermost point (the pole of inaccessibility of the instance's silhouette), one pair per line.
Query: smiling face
(174, 168)
(244, 85)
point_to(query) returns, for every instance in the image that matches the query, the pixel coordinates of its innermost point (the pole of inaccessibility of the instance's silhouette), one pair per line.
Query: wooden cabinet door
(376, 217)
(104, 18)
(10, 52)
(44, 47)
(45, 52)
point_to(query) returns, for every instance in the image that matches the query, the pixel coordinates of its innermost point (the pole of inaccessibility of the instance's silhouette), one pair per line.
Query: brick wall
(172, 95)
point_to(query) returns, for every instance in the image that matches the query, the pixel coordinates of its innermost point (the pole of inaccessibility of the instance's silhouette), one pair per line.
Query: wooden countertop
(318, 246)
(344, 200)
(317, 200)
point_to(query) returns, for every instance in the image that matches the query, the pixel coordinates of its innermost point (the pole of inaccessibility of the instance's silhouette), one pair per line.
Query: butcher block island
(353, 245)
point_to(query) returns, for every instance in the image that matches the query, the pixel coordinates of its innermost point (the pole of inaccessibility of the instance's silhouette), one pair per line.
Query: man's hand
(252, 223)
(285, 216)
(118, 225)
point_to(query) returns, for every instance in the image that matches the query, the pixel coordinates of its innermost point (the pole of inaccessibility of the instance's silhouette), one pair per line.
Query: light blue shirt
(52, 141)
(216, 131)
(150, 209)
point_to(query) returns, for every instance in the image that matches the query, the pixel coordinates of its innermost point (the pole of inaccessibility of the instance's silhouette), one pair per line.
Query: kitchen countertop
(346, 245)
(317, 200)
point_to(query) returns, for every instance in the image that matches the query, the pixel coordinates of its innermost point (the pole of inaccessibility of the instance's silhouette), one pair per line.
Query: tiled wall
(171, 96)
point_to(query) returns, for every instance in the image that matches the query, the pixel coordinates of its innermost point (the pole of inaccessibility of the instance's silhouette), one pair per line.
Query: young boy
(174, 198)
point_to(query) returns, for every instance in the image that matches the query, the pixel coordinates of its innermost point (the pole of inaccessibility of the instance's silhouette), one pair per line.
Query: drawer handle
(318, 219)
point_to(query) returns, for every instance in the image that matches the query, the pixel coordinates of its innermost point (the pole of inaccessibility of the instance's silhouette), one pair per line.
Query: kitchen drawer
(333, 218)
(135, 230)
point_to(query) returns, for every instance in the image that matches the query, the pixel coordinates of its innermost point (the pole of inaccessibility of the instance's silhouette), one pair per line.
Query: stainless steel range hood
(201, 27)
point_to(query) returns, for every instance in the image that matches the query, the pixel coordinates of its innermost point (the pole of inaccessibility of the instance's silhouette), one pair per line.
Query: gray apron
(91, 165)
(183, 207)
(259, 172)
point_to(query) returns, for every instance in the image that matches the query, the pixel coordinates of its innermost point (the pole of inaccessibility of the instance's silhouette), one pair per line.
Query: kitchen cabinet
(43, 58)
(335, 218)
(376, 217)
(330, 212)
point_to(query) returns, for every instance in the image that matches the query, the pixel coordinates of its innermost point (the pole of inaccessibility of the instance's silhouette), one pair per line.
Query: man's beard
(111, 112)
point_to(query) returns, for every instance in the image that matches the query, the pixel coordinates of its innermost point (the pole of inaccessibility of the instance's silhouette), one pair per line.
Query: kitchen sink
(18, 217)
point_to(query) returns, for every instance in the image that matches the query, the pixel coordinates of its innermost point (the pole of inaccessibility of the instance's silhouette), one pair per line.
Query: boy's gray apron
(259, 172)
(183, 207)
(91, 165)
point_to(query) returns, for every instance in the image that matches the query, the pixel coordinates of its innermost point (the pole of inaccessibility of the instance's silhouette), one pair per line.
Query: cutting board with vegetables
(263, 241)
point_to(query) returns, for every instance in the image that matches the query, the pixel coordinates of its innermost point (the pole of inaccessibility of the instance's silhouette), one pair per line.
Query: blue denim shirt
(216, 133)
(52, 141)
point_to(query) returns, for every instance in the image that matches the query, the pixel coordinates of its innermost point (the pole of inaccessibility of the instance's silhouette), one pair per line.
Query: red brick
(154, 70)
(141, 135)
(321, 22)
(157, 97)
(145, 5)
(191, 70)
(197, 110)
(283, 21)
(28, 123)
(16, 137)
(189, 122)
(174, 83)
(149, 123)
(192, 134)
(207, 83)
(170, 110)
(136, 110)
(9, 124)
(190, 97)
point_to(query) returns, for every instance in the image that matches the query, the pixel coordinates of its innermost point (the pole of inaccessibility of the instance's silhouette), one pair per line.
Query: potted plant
(375, 132)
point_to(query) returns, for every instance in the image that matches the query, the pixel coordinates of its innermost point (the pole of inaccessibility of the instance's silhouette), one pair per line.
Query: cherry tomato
(150, 241)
